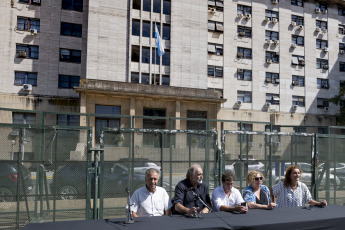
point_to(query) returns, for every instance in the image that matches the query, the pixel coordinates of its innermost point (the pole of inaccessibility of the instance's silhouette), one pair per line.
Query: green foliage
(339, 100)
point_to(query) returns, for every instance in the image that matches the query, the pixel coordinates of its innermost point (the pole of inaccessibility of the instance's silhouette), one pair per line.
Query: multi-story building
(247, 60)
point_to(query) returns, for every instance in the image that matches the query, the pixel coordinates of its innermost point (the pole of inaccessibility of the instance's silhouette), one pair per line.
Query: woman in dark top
(256, 194)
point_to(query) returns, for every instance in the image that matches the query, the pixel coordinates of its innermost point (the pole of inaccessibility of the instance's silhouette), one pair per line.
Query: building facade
(246, 60)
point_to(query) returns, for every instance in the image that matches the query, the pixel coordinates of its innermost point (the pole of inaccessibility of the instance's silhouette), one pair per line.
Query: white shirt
(288, 198)
(219, 198)
(145, 203)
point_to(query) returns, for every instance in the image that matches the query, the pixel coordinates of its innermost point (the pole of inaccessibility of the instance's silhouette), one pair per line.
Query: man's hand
(241, 209)
(192, 211)
(271, 206)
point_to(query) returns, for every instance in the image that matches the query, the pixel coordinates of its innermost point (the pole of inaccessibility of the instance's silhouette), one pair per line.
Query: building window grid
(298, 60)
(270, 14)
(214, 71)
(273, 56)
(244, 31)
(298, 40)
(322, 103)
(21, 78)
(27, 51)
(28, 24)
(298, 80)
(271, 35)
(71, 29)
(298, 100)
(68, 55)
(342, 66)
(215, 26)
(321, 44)
(29, 2)
(322, 83)
(341, 10)
(217, 4)
(245, 53)
(342, 46)
(321, 24)
(242, 9)
(321, 63)
(341, 29)
(76, 5)
(272, 77)
(244, 96)
(321, 6)
(244, 74)
(298, 19)
(215, 49)
(272, 98)
(68, 81)
(297, 2)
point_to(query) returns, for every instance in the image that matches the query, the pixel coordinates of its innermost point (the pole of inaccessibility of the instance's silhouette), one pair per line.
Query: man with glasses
(256, 194)
(226, 197)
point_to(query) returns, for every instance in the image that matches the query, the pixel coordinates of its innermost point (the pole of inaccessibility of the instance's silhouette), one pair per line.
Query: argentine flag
(159, 45)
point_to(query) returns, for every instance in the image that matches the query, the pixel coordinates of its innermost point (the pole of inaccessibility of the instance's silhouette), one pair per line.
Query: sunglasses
(258, 178)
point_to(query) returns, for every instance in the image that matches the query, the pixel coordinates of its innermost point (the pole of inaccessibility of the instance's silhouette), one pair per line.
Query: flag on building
(159, 44)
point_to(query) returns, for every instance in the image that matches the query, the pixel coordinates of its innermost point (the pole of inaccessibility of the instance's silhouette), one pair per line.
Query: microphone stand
(129, 217)
(201, 200)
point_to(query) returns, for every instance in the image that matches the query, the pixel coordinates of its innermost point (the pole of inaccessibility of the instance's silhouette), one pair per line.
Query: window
(135, 53)
(322, 83)
(166, 7)
(298, 100)
(321, 6)
(273, 56)
(104, 121)
(155, 55)
(271, 35)
(245, 127)
(321, 24)
(26, 51)
(272, 78)
(23, 118)
(322, 103)
(217, 4)
(67, 55)
(166, 58)
(147, 5)
(272, 15)
(298, 60)
(244, 74)
(298, 80)
(244, 31)
(145, 78)
(155, 79)
(150, 139)
(342, 66)
(76, 5)
(341, 47)
(166, 32)
(322, 130)
(214, 71)
(342, 84)
(28, 24)
(299, 130)
(196, 124)
(33, 2)
(215, 26)
(145, 54)
(21, 78)
(70, 29)
(137, 4)
(241, 9)
(146, 29)
(244, 53)
(157, 6)
(216, 49)
(68, 81)
(134, 77)
(63, 119)
(341, 29)
(321, 44)
(341, 10)
(244, 96)
(272, 98)
(135, 27)
(166, 80)
(297, 2)
(321, 63)
(298, 19)
(298, 40)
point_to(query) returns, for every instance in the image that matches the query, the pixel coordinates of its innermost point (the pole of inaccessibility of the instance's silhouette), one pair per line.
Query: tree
(339, 100)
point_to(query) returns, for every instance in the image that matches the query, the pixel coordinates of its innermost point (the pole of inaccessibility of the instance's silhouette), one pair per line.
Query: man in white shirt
(226, 197)
(150, 200)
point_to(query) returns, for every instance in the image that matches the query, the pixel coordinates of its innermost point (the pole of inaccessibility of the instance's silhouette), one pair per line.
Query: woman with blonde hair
(256, 194)
(292, 192)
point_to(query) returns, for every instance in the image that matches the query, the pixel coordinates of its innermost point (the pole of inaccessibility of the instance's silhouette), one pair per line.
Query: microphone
(129, 217)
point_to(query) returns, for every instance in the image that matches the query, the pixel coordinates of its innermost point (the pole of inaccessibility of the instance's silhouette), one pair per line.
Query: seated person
(150, 200)
(292, 192)
(256, 194)
(227, 198)
(187, 191)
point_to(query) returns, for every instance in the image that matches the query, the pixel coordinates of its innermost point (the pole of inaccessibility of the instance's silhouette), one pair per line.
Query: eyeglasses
(258, 178)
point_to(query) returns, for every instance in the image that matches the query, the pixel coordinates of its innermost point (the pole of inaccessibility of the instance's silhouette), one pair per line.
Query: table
(329, 217)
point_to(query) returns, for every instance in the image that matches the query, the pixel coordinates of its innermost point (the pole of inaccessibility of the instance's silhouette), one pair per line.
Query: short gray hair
(151, 170)
(192, 169)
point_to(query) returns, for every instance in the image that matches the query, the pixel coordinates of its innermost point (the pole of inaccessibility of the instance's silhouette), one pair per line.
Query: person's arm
(261, 206)
(316, 203)
(134, 214)
(238, 208)
(167, 212)
(183, 210)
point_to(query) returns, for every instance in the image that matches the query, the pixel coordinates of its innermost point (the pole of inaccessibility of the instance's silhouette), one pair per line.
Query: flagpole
(154, 76)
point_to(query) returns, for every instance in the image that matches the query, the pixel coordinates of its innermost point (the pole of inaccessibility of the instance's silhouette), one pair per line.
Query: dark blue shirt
(184, 195)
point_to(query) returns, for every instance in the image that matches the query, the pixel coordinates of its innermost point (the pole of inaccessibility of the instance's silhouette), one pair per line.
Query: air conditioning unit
(240, 15)
(325, 49)
(22, 54)
(324, 11)
(239, 103)
(276, 42)
(341, 51)
(267, 19)
(326, 108)
(300, 27)
(27, 87)
(301, 62)
(293, 24)
(268, 61)
(33, 31)
(267, 105)
(294, 107)
(240, 70)
(293, 46)
(277, 80)
(274, 20)
(239, 55)
(268, 41)
(275, 1)
(317, 10)
(294, 82)
(242, 34)
(276, 144)
(324, 30)
(325, 67)
(248, 16)
(212, 10)
(318, 29)
(268, 79)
